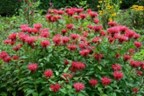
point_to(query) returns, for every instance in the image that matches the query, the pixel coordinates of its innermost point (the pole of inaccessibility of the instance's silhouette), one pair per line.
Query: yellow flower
(100, 12)
(134, 6)
(113, 15)
(100, 1)
(109, 7)
(98, 6)
(110, 19)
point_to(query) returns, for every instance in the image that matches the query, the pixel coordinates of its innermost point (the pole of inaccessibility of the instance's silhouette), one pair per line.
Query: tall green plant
(28, 9)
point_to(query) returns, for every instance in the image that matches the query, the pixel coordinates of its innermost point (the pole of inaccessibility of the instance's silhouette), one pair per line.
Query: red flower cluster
(5, 56)
(116, 67)
(48, 73)
(118, 75)
(45, 43)
(55, 87)
(105, 81)
(76, 66)
(93, 82)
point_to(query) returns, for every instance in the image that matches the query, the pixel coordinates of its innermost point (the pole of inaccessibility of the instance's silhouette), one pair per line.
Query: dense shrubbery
(73, 56)
(8, 7)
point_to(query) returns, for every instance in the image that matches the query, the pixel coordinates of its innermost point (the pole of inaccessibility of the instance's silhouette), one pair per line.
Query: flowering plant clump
(73, 56)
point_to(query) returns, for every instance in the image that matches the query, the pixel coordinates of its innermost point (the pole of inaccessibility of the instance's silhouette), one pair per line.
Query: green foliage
(9, 7)
(127, 3)
(45, 4)
(132, 18)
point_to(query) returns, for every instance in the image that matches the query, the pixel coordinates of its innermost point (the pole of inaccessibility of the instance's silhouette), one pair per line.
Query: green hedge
(9, 7)
(128, 3)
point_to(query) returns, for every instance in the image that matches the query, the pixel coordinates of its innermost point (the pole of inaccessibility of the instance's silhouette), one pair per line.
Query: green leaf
(3, 94)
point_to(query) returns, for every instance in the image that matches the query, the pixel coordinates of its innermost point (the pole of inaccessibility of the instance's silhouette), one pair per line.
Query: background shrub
(9, 7)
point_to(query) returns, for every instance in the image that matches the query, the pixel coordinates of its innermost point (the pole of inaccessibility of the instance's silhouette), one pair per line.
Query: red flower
(64, 31)
(74, 36)
(116, 67)
(3, 54)
(98, 56)
(7, 59)
(126, 57)
(69, 26)
(112, 23)
(45, 43)
(48, 73)
(139, 73)
(82, 16)
(44, 33)
(52, 18)
(37, 26)
(122, 38)
(84, 52)
(9, 41)
(118, 75)
(135, 90)
(24, 27)
(135, 63)
(70, 11)
(97, 28)
(96, 20)
(93, 82)
(93, 14)
(32, 67)
(96, 39)
(12, 36)
(129, 33)
(79, 10)
(30, 40)
(57, 39)
(83, 45)
(85, 34)
(55, 87)
(72, 47)
(17, 47)
(142, 65)
(136, 36)
(77, 65)
(137, 44)
(78, 86)
(60, 12)
(106, 81)
(65, 39)
(15, 57)
(34, 30)
(102, 33)
(90, 26)
(76, 17)
(131, 51)
(113, 30)
(117, 55)
(66, 62)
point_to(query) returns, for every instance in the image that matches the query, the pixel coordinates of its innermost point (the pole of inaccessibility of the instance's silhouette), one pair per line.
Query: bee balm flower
(32, 67)
(78, 86)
